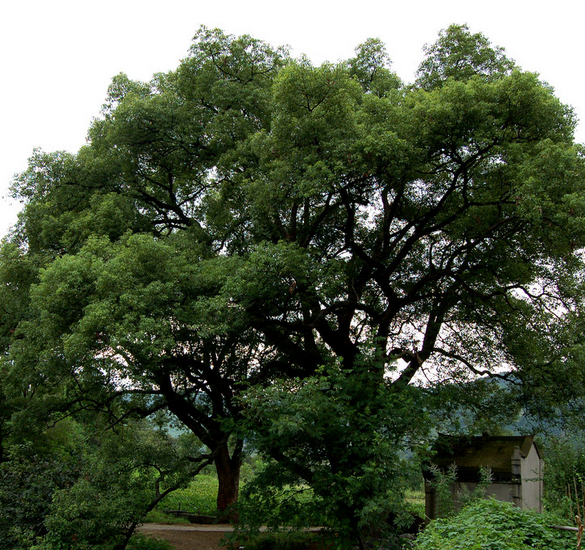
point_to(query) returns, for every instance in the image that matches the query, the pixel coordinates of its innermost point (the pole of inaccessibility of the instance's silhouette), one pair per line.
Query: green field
(198, 497)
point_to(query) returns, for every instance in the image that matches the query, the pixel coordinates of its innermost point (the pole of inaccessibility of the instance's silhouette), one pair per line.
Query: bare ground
(189, 537)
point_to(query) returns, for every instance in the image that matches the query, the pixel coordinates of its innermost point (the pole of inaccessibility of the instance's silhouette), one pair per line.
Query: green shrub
(28, 484)
(489, 524)
(120, 482)
(94, 514)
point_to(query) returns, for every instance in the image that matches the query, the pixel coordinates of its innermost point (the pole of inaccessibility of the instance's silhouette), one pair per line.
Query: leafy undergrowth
(488, 524)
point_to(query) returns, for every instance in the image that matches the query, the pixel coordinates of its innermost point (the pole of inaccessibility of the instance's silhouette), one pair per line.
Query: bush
(493, 525)
(96, 513)
(122, 479)
(28, 484)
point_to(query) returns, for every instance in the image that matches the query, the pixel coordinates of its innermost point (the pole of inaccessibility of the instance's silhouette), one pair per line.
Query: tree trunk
(228, 475)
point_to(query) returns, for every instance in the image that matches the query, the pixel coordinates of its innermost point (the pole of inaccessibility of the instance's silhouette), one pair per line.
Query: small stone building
(515, 464)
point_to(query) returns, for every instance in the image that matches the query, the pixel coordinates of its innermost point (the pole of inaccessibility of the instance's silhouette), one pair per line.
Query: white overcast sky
(58, 56)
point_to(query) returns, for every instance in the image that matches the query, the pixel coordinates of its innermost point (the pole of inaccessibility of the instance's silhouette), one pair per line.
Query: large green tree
(248, 217)
(442, 220)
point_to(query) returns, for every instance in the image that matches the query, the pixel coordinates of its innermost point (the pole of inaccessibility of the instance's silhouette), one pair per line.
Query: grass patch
(158, 516)
(415, 502)
(200, 497)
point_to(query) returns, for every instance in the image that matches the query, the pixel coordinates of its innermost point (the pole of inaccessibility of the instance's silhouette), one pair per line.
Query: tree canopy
(250, 217)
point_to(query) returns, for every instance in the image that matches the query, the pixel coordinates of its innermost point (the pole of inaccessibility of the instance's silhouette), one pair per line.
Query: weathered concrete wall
(532, 485)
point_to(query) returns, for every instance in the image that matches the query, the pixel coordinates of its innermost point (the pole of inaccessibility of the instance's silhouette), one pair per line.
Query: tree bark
(228, 475)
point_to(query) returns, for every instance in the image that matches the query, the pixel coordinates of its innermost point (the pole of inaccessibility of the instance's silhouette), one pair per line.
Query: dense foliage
(493, 525)
(27, 485)
(88, 488)
(334, 455)
(316, 255)
(564, 478)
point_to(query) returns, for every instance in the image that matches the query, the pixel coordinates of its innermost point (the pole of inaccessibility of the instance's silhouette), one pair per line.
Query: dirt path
(189, 537)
